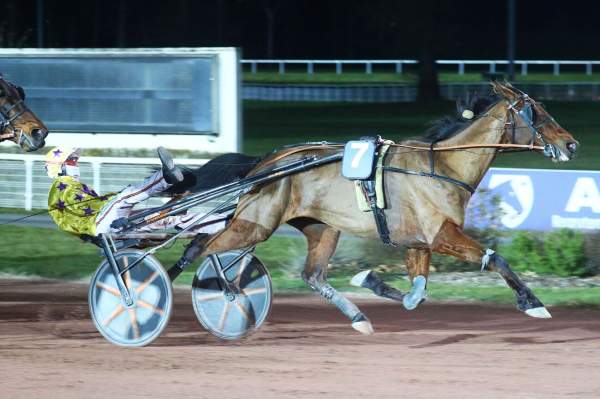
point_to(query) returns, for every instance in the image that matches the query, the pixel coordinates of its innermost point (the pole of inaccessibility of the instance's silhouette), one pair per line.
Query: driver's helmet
(56, 157)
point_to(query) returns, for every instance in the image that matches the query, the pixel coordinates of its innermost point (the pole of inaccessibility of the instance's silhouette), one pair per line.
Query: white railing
(399, 64)
(24, 184)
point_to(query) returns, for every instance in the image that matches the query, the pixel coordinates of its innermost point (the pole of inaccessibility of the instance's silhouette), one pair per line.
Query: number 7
(362, 147)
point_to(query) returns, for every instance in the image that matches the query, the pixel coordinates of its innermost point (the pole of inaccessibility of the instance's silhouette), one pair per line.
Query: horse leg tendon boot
(360, 322)
(526, 301)
(417, 293)
(368, 279)
(178, 267)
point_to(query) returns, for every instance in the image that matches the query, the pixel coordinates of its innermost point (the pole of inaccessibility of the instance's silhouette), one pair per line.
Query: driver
(77, 209)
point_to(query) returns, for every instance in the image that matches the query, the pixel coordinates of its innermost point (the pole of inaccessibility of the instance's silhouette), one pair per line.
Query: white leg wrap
(417, 293)
(486, 258)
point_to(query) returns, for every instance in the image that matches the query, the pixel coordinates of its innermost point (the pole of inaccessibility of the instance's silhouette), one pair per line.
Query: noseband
(526, 115)
(6, 122)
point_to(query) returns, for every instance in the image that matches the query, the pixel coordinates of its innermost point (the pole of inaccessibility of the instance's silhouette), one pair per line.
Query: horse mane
(449, 126)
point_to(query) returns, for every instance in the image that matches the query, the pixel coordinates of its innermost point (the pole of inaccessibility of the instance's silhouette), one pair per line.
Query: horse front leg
(417, 263)
(451, 240)
(322, 241)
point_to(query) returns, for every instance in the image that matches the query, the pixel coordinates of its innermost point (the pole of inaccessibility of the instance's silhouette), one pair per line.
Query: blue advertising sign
(538, 199)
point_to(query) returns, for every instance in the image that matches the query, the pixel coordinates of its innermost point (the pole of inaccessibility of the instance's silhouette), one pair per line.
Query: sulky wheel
(142, 322)
(232, 313)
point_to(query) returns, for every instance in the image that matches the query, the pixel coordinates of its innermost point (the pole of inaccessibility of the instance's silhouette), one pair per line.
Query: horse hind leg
(239, 234)
(417, 262)
(322, 241)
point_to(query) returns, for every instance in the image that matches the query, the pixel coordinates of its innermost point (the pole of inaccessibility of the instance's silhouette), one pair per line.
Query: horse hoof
(363, 327)
(540, 313)
(359, 278)
(417, 294)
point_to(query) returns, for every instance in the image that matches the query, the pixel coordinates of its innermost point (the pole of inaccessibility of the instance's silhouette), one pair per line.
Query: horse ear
(505, 90)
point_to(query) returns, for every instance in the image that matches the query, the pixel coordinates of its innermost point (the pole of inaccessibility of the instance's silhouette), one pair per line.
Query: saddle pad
(363, 205)
(359, 156)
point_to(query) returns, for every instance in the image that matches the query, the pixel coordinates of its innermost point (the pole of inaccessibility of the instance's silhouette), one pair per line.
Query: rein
(525, 113)
(468, 146)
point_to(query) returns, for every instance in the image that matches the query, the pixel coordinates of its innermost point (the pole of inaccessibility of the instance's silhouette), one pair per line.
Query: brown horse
(424, 213)
(17, 122)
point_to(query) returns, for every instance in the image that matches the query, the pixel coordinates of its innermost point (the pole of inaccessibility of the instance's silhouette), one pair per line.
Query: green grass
(359, 77)
(269, 125)
(50, 253)
(19, 211)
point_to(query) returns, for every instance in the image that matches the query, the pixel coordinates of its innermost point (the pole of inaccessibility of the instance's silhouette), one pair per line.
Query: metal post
(281, 68)
(556, 69)
(310, 68)
(253, 67)
(28, 184)
(368, 68)
(96, 174)
(399, 68)
(461, 68)
(588, 68)
(338, 67)
(512, 23)
(40, 23)
(115, 269)
(492, 67)
(524, 69)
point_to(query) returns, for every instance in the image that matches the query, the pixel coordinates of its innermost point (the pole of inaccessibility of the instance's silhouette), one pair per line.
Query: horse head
(528, 122)
(17, 122)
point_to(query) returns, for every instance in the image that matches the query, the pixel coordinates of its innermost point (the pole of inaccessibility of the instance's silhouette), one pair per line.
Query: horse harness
(6, 119)
(368, 183)
(526, 114)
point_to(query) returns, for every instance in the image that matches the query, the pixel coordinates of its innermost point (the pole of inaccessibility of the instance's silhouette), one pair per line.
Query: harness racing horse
(427, 185)
(17, 122)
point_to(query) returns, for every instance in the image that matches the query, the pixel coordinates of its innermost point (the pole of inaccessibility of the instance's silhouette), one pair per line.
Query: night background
(379, 29)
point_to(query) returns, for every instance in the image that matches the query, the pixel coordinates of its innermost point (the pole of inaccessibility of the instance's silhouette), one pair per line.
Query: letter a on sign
(585, 194)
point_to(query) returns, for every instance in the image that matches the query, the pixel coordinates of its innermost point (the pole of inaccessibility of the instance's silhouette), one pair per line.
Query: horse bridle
(526, 115)
(6, 120)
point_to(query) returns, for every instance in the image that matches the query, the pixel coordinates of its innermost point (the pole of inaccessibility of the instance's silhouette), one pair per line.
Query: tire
(150, 287)
(232, 316)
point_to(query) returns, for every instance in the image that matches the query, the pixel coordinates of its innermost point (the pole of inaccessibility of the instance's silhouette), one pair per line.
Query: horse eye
(21, 92)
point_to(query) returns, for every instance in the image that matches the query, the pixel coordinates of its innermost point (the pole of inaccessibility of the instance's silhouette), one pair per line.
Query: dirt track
(49, 348)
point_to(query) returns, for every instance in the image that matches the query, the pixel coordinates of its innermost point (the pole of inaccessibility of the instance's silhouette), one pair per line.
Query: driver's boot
(171, 173)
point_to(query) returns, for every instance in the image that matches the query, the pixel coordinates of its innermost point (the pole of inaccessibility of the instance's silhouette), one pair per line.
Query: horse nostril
(39, 134)
(572, 147)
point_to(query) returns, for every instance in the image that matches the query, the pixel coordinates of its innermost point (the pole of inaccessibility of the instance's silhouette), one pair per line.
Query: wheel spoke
(254, 291)
(118, 310)
(224, 315)
(134, 323)
(245, 261)
(209, 297)
(242, 310)
(146, 305)
(108, 288)
(146, 283)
